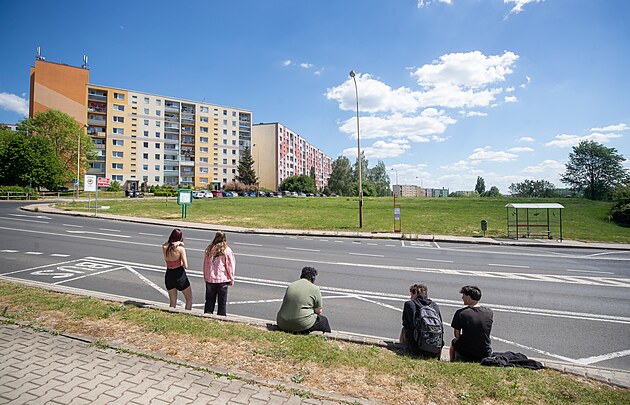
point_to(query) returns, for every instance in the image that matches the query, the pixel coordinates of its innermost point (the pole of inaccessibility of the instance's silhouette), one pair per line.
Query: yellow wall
(265, 155)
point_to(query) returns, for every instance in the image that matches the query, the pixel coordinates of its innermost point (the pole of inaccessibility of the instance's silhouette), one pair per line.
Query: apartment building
(279, 152)
(411, 190)
(146, 138)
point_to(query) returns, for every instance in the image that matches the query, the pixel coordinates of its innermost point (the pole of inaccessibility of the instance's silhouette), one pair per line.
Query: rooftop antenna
(39, 54)
(85, 62)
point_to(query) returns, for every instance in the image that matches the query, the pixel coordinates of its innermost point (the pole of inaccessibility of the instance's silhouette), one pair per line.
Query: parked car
(208, 194)
(199, 194)
(217, 193)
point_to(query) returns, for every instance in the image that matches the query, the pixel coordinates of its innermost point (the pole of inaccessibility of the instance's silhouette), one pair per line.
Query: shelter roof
(534, 205)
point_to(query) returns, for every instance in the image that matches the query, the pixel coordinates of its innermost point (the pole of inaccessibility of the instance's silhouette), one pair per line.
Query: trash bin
(484, 227)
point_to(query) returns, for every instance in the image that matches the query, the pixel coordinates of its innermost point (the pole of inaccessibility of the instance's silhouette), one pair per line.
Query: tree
(620, 211)
(29, 161)
(313, 176)
(340, 181)
(594, 170)
(300, 184)
(533, 188)
(493, 192)
(246, 173)
(379, 179)
(64, 134)
(480, 187)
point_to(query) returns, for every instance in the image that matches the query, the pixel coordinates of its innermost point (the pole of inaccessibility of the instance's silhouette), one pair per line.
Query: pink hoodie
(219, 269)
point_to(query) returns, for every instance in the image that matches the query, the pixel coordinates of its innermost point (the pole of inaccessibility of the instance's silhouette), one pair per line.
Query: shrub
(620, 211)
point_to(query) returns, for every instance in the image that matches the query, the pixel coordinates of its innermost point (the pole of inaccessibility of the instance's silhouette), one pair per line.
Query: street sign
(89, 183)
(103, 182)
(75, 181)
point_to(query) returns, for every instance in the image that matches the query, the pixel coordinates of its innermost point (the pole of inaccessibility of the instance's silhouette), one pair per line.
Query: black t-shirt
(475, 324)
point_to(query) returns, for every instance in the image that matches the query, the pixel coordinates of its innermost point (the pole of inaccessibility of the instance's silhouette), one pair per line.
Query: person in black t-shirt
(472, 326)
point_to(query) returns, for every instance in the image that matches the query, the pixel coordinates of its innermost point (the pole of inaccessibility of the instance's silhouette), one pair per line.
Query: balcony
(97, 121)
(186, 163)
(97, 96)
(170, 117)
(172, 107)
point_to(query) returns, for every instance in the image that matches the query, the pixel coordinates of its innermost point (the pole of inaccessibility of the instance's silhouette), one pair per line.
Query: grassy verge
(360, 371)
(582, 219)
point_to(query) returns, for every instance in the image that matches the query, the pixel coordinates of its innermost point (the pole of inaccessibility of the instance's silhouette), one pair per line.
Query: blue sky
(448, 89)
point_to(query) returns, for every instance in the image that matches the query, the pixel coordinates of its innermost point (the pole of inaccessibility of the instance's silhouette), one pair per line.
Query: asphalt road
(549, 302)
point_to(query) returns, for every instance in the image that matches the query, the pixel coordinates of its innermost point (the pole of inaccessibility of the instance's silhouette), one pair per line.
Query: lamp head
(352, 74)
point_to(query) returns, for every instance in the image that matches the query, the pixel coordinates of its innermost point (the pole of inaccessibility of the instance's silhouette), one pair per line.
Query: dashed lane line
(433, 260)
(26, 220)
(303, 249)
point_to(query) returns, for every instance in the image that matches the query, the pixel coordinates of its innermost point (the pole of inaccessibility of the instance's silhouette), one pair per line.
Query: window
(119, 96)
(146, 100)
(146, 133)
(158, 102)
(145, 144)
(203, 109)
(225, 141)
(157, 123)
(119, 119)
(117, 154)
(145, 167)
(203, 180)
(157, 179)
(203, 159)
(158, 113)
(224, 171)
(117, 166)
(233, 123)
(119, 131)
(118, 107)
(224, 122)
(233, 161)
(145, 156)
(145, 178)
(234, 142)
(203, 139)
(157, 145)
(225, 132)
(157, 156)
(157, 167)
(99, 166)
(203, 170)
(146, 122)
(224, 161)
(203, 119)
(203, 150)
(117, 177)
(234, 151)
(118, 142)
(146, 111)
(203, 129)
(224, 112)
(157, 134)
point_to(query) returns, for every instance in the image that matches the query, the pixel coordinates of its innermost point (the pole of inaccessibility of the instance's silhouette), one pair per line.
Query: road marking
(8, 251)
(35, 268)
(150, 283)
(306, 250)
(25, 220)
(372, 244)
(557, 356)
(99, 233)
(247, 244)
(391, 245)
(33, 253)
(109, 230)
(30, 216)
(436, 245)
(88, 275)
(606, 253)
(591, 271)
(508, 265)
(434, 260)
(202, 240)
(356, 243)
(59, 255)
(365, 254)
(603, 357)
(338, 241)
(149, 234)
(75, 226)
(323, 240)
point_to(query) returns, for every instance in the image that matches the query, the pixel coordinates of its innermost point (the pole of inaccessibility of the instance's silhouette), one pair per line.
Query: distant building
(410, 190)
(279, 152)
(145, 138)
(12, 127)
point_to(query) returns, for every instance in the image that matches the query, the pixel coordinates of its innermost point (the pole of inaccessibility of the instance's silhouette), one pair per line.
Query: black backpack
(428, 330)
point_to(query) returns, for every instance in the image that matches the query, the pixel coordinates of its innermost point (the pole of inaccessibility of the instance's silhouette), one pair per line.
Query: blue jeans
(216, 292)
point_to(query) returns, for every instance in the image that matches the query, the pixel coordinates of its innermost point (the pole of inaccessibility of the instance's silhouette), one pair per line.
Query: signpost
(397, 220)
(184, 198)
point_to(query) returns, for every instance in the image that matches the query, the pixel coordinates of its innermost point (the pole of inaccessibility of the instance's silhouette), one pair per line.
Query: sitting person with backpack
(422, 331)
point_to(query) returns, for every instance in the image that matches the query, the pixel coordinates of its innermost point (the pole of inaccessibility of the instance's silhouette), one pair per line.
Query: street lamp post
(359, 161)
(78, 162)
(396, 171)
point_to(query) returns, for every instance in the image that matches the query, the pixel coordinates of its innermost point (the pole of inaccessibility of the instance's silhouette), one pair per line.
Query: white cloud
(419, 128)
(457, 166)
(519, 4)
(287, 62)
(510, 89)
(485, 154)
(526, 139)
(518, 149)
(550, 167)
(423, 3)
(567, 141)
(306, 65)
(616, 127)
(510, 99)
(14, 103)
(379, 150)
(473, 113)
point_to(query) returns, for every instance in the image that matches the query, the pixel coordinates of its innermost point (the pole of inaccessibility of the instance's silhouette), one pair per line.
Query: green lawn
(582, 219)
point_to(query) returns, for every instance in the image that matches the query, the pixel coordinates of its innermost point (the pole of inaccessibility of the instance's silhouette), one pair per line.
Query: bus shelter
(531, 220)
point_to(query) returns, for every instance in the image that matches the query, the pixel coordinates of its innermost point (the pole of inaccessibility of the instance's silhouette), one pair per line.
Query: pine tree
(246, 172)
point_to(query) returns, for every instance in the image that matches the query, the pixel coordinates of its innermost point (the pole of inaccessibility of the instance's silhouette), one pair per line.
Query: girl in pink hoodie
(218, 271)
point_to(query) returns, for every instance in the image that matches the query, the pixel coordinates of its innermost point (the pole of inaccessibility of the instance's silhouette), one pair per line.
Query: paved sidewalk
(39, 367)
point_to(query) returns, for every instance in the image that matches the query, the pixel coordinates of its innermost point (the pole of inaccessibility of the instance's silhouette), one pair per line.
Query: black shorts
(176, 278)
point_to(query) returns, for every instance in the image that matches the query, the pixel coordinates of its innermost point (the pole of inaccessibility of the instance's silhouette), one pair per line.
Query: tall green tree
(340, 181)
(29, 161)
(480, 187)
(595, 170)
(533, 188)
(300, 184)
(493, 192)
(377, 175)
(246, 173)
(65, 134)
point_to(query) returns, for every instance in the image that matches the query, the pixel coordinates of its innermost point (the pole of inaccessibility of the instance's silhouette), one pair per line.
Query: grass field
(583, 219)
(379, 374)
